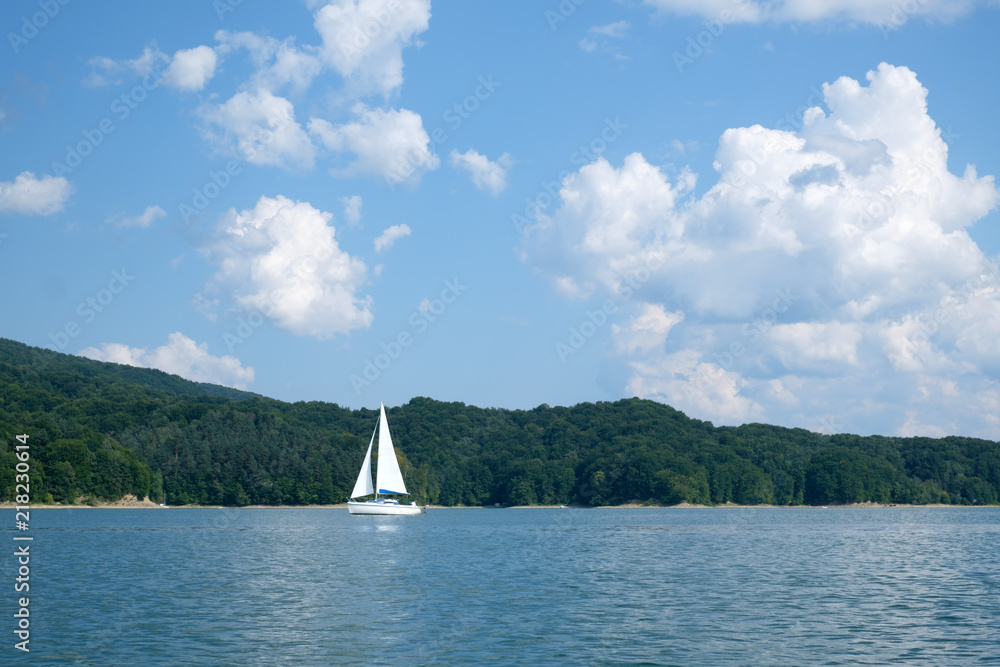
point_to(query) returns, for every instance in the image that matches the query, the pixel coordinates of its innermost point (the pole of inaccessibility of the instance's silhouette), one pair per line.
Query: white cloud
(389, 236)
(364, 40)
(487, 176)
(388, 145)
(28, 195)
(180, 356)
(611, 214)
(891, 13)
(835, 256)
(282, 259)
(261, 128)
(191, 69)
(144, 219)
(680, 149)
(106, 71)
(616, 29)
(811, 345)
(646, 331)
(602, 36)
(702, 390)
(277, 63)
(187, 69)
(352, 209)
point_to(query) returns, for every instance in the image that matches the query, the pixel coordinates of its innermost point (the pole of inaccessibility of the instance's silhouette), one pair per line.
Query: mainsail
(389, 478)
(363, 487)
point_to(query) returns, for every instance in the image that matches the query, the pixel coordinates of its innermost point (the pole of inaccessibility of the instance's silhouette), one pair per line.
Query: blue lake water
(569, 586)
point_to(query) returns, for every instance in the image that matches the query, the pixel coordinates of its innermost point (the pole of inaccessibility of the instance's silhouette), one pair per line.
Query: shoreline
(133, 503)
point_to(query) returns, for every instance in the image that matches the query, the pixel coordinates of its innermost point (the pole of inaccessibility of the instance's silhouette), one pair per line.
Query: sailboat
(388, 478)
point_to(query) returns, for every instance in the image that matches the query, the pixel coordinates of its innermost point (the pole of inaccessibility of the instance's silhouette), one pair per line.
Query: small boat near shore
(388, 478)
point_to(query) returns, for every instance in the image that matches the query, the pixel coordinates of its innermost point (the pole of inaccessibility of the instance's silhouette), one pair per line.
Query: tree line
(99, 431)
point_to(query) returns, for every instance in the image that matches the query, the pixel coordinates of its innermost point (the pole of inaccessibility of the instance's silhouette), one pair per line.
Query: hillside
(101, 431)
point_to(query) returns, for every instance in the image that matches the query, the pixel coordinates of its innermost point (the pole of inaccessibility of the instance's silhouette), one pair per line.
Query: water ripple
(623, 587)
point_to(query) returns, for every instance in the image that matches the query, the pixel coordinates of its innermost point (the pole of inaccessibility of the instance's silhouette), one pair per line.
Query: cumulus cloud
(28, 195)
(144, 219)
(487, 176)
(261, 128)
(833, 257)
(697, 387)
(180, 356)
(187, 70)
(647, 330)
(191, 69)
(890, 13)
(810, 345)
(389, 145)
(389, 236)
(282, 259)
(276, 63)
(363, 40)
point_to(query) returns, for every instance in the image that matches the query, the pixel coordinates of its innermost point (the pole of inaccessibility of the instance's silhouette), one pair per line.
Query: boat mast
(376, 456)
(369, 470)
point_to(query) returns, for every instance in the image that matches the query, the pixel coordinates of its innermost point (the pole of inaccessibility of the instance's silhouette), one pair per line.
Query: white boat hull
(376, 507)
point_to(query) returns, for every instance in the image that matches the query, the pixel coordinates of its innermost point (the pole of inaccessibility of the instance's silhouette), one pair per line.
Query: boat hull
(382, 508)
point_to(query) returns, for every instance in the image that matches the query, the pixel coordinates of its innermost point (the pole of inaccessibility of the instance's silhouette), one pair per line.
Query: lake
(510, 586)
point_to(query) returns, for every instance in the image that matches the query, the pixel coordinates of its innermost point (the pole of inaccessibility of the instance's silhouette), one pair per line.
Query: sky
(778, 212)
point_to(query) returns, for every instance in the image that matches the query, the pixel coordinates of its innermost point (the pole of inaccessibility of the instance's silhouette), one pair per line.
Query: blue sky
(780, 213)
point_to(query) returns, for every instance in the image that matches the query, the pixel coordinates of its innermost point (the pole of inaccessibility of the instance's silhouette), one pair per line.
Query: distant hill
(48, 364)
(100, 431)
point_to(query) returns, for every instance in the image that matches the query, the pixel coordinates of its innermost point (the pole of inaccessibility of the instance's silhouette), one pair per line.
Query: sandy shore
(131, 502)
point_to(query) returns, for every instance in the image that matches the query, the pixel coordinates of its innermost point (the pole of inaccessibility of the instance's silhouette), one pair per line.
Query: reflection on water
(317, 587)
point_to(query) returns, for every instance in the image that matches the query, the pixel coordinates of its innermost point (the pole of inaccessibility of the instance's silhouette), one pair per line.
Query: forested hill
(100, 431)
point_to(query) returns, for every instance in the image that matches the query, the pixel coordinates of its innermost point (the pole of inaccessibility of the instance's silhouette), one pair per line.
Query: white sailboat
(388, 478)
